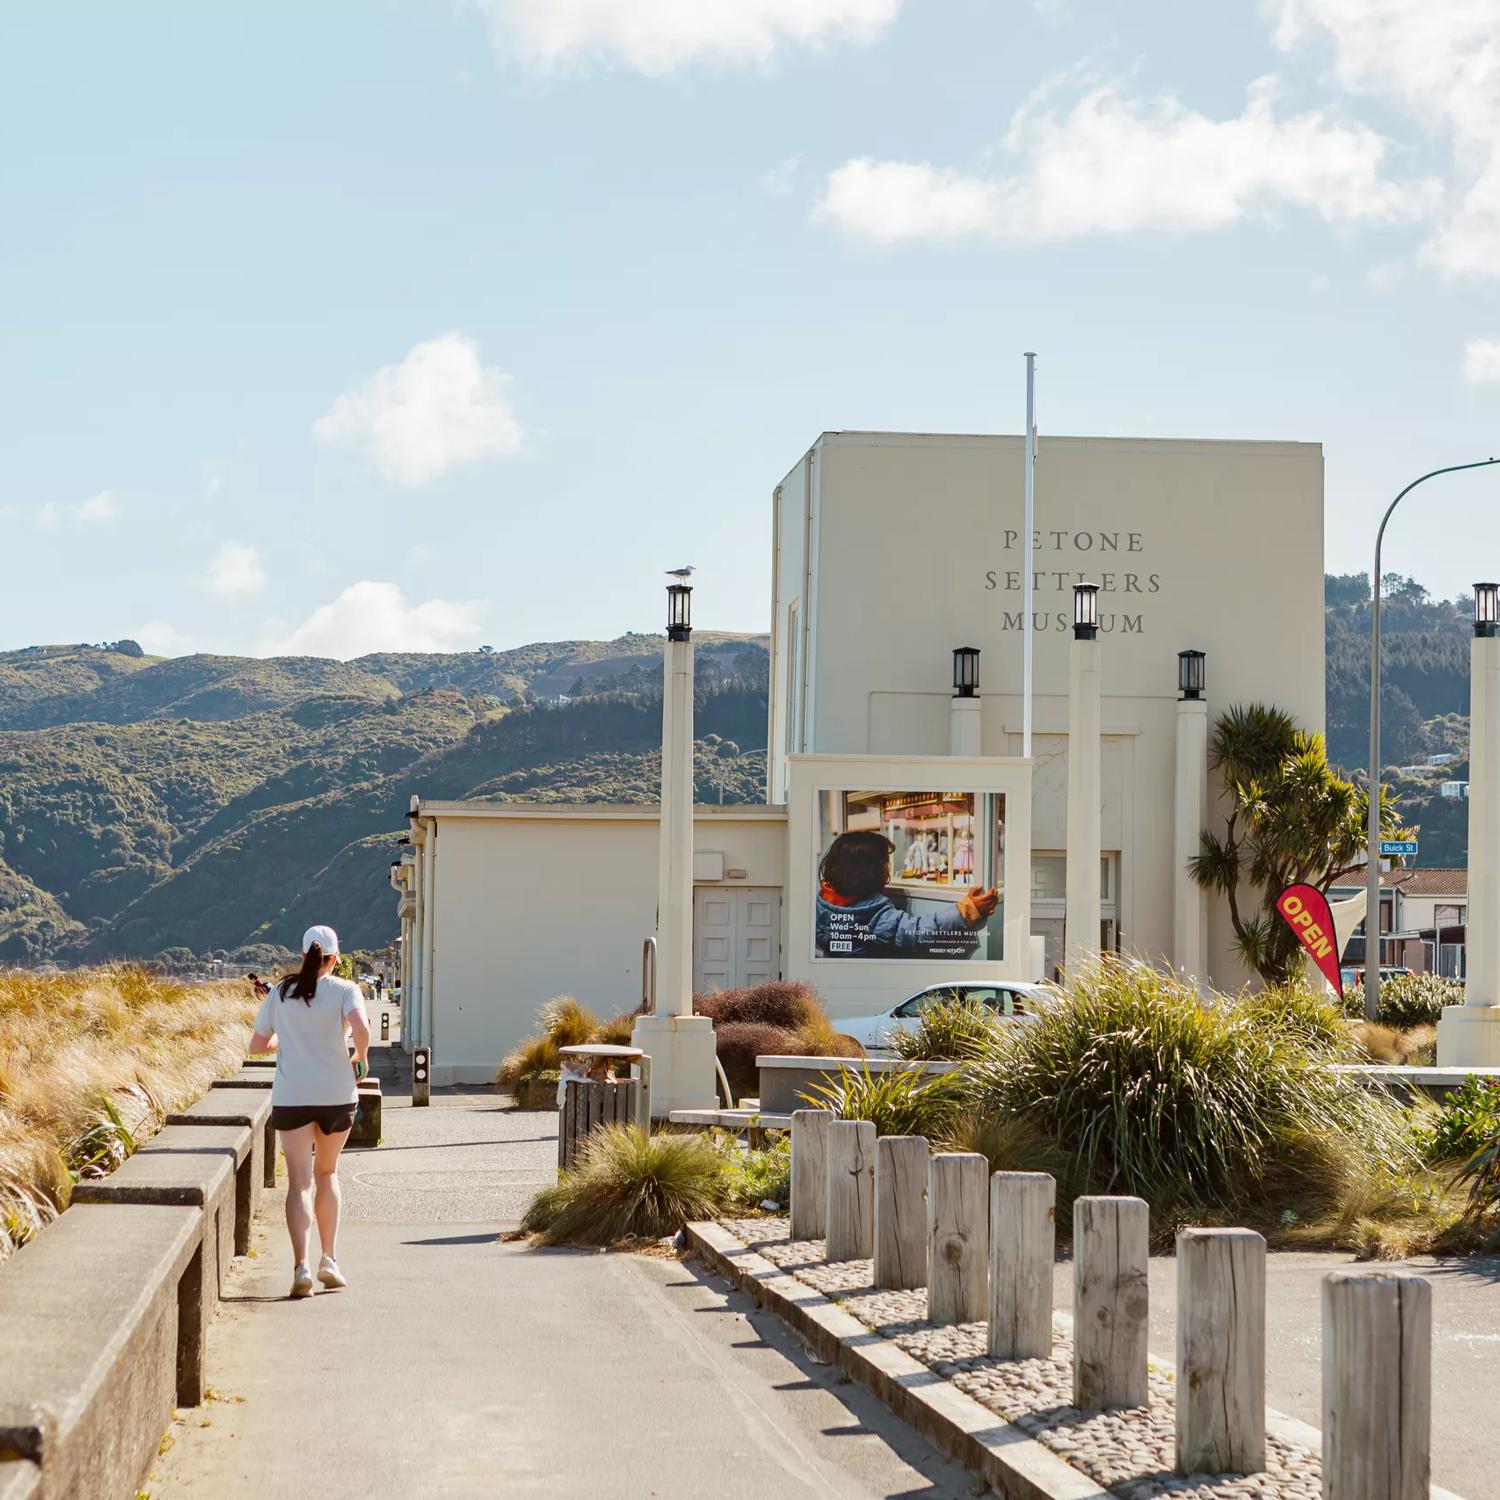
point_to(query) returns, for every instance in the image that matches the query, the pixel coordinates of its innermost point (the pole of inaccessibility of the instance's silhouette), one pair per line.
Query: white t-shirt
(312, 1055)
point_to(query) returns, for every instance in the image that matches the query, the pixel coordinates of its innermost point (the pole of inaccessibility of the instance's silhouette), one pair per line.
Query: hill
(210, 802)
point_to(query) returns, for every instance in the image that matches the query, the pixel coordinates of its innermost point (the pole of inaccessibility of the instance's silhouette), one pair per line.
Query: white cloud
(158, 638)
(236, 571)
(1115, 165)
(437, 409)
(1482, 361)
(96, 510)
(655, 36)
(370, 616)
(1440, 61)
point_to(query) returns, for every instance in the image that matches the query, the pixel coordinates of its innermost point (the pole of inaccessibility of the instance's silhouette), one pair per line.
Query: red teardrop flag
(1306, 911)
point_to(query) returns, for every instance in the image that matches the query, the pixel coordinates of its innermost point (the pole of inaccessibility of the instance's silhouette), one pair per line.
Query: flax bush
(949, 1031)
(903, 1102)
(1135, 1085)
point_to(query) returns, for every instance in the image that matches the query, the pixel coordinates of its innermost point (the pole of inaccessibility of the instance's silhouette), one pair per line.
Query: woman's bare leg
(327, 1197)
(297, 1146)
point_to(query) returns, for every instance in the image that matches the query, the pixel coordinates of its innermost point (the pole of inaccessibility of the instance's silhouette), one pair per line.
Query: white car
(1007, 1000)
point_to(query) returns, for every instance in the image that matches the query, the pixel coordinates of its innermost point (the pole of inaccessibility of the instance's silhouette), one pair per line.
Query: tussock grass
(902, 1102)
(950, 1031)
(628, 1185)
(90, 1062)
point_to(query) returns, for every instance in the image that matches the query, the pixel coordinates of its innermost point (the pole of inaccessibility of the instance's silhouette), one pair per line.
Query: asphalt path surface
(458, 1365)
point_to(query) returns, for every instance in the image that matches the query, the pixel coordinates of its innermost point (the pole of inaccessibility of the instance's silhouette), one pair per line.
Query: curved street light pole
(1372, 868)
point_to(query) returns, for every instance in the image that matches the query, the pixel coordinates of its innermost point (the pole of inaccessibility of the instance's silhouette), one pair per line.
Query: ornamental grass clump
(902, 1102)
(562, 1022)
(950, 1031)
(91, 1061)
(1203, 1109)
(628, 1185)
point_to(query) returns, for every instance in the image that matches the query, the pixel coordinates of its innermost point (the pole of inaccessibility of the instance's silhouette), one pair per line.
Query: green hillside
(210, 803)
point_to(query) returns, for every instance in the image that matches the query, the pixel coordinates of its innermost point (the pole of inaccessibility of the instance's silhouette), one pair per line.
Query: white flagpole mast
(1028, 576)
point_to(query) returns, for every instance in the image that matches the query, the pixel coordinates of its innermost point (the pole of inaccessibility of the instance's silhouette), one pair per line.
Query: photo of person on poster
(856, 918)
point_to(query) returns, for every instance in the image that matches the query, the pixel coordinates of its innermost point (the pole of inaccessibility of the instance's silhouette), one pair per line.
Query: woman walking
(307, 1019)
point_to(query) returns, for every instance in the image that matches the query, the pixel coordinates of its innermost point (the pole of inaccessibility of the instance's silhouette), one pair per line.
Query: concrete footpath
(456, 1365)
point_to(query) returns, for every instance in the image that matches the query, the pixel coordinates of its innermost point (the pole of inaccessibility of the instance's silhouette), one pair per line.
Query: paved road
(456, 1365)
(1465, 1352)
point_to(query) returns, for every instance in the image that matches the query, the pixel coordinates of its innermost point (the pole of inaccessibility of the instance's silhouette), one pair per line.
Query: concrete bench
(247, 1078)
(205, 1167)
(789, 1082)
(102, 1339)
(238, 1106)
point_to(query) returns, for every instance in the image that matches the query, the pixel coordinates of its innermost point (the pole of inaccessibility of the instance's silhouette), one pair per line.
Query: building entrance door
(736, 936)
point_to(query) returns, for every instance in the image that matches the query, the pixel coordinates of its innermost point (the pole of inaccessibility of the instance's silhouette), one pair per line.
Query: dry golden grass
(92, 1060)
(1379, 1043)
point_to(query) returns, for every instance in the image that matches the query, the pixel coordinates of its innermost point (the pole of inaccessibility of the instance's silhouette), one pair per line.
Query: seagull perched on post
(683, 573)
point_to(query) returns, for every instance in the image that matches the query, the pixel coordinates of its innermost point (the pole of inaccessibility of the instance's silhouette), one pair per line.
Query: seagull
(682, 573)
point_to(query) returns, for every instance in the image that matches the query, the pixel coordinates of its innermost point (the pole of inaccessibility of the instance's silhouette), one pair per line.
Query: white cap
(325, 937)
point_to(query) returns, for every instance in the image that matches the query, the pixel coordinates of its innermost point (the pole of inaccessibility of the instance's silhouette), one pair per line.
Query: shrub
(1408, 999)
(1468, 1120)
(1197, 1108)
(817, 1038)
(563, 1022)
(901, 1102)
(1482, 1174)
(739, 1043)
(780, 1002)
(951, 1030)
(760, 1175)
(1299, 1011)
(629, 1185)
(618, 1030)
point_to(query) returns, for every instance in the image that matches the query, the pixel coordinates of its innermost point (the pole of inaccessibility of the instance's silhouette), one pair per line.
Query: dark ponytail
(303, 985)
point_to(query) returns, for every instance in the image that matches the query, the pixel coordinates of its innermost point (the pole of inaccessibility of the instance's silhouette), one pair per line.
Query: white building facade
(891, 551)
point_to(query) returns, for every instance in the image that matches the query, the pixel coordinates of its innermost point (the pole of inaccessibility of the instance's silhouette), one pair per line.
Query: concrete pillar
(680, 1044)
(1189, 900)
(964, 734)
(1082, 931)
(1469, 1034)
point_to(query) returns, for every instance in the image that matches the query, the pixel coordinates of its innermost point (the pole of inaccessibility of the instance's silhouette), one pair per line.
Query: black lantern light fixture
(679, 611)
(1487, 608)
(1190, 674)
(965, 671)
(1085, 611)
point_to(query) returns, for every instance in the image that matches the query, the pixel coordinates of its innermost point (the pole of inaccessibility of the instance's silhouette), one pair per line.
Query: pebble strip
(1130, 1453)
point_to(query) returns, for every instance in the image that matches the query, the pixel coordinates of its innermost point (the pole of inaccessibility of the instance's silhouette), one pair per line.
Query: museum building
(907, 838)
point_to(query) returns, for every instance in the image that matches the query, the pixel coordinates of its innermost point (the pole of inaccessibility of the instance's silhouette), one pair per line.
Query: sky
(421, 324)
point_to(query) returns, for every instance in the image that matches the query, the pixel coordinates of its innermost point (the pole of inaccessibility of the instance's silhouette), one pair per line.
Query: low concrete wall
(238, 1106)
(20, 1480)
(784, 1080)
(104, 1338)
(1406, 1083)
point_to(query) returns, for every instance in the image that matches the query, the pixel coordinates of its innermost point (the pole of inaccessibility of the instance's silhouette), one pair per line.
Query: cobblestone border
(1129, 1454)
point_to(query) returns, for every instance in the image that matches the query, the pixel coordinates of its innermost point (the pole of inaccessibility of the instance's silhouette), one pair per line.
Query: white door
(736, 936)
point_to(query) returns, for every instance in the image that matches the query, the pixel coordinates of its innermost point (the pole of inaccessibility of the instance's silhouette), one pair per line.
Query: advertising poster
(910, 875)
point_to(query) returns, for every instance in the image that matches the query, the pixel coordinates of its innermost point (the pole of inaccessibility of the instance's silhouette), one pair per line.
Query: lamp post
(1469, 1034)
(1372, 782)
(965, 734)
(1190, 808)
(1081, 934)
(680, 1044)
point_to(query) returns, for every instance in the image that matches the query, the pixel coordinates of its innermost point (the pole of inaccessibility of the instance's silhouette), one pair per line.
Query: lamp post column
(1469, 1034)
(1189, 908)
(1082, 932)
(680, 1044)
(965, 736)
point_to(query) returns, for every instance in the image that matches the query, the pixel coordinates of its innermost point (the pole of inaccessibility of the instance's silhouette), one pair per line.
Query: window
(793, 681)
(919, 1004)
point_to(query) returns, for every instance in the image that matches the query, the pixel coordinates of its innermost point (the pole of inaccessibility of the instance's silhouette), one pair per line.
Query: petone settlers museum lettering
(1111, 579)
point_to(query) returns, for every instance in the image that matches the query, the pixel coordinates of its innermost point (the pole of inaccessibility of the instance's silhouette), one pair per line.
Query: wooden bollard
(850, 1216)
(1221, 1351)
(957, 1237)
(901, 1212)
(1377, 1386)
(1023, 1246)
(810, 1172)
(1111, 1302)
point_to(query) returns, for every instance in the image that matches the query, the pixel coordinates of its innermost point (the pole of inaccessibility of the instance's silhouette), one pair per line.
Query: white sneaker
(302, 1281)
(329, 1273)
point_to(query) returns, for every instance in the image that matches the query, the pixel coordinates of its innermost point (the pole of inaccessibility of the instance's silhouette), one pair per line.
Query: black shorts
(330, 1119)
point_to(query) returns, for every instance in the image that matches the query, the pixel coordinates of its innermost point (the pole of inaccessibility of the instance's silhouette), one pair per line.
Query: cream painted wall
(555, 901)
(1211, 545)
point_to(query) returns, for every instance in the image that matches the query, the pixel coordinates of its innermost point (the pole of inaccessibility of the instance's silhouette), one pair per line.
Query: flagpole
(1028, 575)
